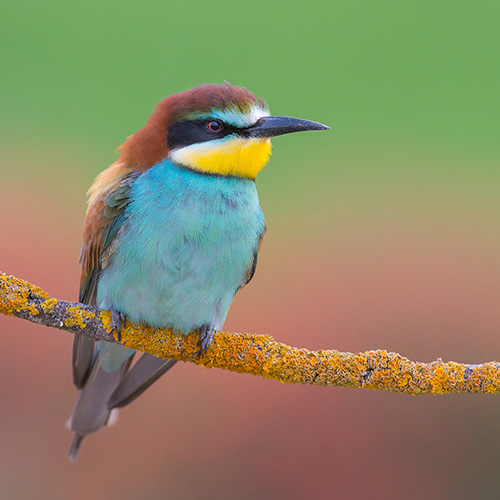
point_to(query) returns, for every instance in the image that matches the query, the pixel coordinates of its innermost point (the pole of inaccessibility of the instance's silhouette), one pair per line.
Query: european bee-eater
(172, 232)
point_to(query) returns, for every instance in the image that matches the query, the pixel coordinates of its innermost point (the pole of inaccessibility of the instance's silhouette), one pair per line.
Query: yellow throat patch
(234, 156)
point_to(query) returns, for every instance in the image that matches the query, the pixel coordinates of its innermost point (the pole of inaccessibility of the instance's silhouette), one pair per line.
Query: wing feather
(253, 265)
(109, 196)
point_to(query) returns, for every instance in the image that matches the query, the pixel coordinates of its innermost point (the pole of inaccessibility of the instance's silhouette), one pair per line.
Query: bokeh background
(383, 233)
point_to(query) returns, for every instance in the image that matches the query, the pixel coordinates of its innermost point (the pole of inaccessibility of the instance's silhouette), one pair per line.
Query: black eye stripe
(189, 132)
(203, 123)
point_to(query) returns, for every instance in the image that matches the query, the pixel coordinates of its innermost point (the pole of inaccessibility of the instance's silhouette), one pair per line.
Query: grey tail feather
(83, 354)
(91, 409)
(75, 447)
(145, 372)
(103, 391)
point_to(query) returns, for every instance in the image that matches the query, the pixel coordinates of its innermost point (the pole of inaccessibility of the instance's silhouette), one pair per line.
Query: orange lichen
(105, 319)
(262, 355)
(78, 317)
(438, 382)
(48, 305)
(15, 296)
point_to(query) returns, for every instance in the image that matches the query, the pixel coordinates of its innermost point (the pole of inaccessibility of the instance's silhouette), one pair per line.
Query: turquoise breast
(184, 250)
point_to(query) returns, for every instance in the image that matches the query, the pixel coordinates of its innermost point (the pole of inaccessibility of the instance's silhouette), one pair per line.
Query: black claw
(118, 320)
(206, 337)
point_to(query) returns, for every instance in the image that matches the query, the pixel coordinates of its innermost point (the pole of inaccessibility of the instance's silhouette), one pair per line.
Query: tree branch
(255, 354)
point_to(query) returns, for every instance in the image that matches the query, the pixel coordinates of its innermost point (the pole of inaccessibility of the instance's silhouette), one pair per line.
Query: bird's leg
(118, 320)
(206, 337)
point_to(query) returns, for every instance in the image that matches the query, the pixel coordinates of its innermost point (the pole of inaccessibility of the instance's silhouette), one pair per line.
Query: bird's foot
(118, 320)
(206, 337)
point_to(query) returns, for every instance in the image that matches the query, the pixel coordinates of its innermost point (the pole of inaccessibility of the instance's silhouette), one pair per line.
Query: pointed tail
(108, 384)
(91, 411)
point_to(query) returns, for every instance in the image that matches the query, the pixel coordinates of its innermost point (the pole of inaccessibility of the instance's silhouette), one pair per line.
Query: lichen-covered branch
(255, 354)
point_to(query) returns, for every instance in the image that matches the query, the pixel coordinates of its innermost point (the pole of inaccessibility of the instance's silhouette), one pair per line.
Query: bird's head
(212, 129)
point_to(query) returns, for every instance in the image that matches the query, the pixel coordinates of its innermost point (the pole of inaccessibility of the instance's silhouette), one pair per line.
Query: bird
(171, 234)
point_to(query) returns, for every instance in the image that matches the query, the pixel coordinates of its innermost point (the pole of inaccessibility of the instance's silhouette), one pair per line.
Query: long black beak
(271, 126)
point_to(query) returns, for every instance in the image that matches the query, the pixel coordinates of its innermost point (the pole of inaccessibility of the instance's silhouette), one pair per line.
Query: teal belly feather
(184, 249)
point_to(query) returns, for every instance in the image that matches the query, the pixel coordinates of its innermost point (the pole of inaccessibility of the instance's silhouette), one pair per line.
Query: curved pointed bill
(271, 126)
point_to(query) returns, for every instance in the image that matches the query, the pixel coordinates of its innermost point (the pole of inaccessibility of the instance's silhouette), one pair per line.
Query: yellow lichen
(48, 305)
(404, 380)
(262, 355)
(78, 317)
(439, 379)
(105, 318)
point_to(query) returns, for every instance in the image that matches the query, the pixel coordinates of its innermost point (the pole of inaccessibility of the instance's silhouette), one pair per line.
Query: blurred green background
(383, 233)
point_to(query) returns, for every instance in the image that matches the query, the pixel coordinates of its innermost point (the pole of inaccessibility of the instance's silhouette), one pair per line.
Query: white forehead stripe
(235, 117)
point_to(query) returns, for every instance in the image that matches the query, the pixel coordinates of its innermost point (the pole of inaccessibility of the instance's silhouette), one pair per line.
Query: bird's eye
(214, 126)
